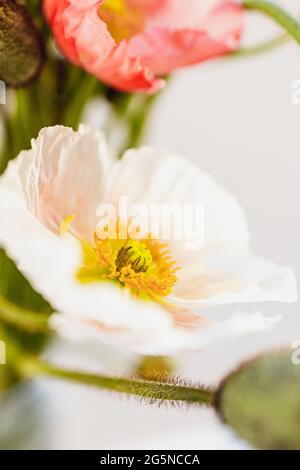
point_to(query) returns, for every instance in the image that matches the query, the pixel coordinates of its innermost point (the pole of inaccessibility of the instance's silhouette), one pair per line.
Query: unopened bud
(260, 401)
(21, 45)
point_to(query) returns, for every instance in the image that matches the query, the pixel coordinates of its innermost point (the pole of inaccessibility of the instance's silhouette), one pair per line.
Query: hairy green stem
(28, 367)
(284, 19)
(151, 391)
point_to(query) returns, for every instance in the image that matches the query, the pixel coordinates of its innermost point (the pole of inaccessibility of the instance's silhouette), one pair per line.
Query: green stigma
(135, 254)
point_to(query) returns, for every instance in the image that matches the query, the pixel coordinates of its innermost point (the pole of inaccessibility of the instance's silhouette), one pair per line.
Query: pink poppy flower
(131, 44)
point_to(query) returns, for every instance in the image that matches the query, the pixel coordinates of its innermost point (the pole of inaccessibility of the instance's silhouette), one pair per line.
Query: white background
(234, 118)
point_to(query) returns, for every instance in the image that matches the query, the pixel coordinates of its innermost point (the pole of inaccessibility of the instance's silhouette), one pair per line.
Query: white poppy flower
(140, 294)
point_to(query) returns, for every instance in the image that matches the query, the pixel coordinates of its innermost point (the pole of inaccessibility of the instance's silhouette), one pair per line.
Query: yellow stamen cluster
(135, 254)
(145, 266)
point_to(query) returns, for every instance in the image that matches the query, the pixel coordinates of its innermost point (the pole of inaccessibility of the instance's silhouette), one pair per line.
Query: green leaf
(261, 402)
(22, 51)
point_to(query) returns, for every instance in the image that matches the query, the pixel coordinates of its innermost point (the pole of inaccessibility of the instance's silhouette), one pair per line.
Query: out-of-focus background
(235, 119)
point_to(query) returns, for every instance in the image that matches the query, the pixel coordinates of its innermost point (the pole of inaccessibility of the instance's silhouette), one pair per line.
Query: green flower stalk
(150, 391)
(260, 400)
(276, 13)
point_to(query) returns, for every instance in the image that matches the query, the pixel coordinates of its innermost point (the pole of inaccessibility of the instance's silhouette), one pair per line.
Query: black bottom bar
(135, 459)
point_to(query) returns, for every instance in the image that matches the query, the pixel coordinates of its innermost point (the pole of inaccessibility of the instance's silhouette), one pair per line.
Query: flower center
(123, 19)
(144, 266)
(135, 254)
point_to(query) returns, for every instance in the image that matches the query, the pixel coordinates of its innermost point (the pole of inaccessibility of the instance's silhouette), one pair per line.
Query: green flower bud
(261, 402)
(21, 46)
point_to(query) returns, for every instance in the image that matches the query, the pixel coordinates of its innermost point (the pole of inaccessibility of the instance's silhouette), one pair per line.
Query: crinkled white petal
(238, 324)
(62, 175)
(168, 339)
(150, 177)
(225, 275)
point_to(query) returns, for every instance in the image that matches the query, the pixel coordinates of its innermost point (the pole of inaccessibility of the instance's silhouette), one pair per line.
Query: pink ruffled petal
(126, 73)
(163, 50)
(178, 14)
(173, 34)
(86, 41)
(54, 11)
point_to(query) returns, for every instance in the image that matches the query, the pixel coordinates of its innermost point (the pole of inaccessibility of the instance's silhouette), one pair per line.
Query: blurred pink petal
(129, 44)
